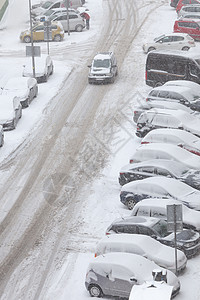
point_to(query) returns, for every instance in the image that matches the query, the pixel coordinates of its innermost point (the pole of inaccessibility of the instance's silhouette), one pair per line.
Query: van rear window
(198, 61)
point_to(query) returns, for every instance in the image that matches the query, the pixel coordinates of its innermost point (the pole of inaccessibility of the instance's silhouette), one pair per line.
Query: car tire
(57, 38)
(130, 203)
(79, 28)
(27, 39)
(95, 291)
(151, 49)
(36, 92)
(185, 48)
(2, 142)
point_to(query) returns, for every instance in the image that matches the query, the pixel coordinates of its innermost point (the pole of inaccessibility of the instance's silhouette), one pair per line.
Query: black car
(160, 167)
(188, 240)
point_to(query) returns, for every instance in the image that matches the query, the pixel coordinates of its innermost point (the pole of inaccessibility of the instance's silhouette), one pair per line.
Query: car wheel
(79, 28)
(185, 48)
(57, 38)
(130, 203)
(36, 91)
(95, 291)
(45, 78)
(151, 49)
(27, 39)
(158, 84)
(2, 141)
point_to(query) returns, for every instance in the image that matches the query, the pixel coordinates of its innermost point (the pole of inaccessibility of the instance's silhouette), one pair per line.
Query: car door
(38, 33)
(178, 42)
(164, 43)
(73, 21)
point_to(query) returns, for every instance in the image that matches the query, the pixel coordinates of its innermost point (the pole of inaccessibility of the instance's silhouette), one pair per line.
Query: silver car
(76, 22)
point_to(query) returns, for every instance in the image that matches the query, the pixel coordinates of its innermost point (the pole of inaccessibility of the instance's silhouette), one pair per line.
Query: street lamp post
(32, 46)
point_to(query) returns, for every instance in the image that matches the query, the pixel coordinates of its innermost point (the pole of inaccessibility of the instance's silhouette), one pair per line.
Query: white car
(43, 68)
(159, 187)
(143, 245)
(10, 111)
(76, 22)
(25, 88)
(157, 207)
(166, 151)
(114, 274)
(50, 12)
(178, 137)
(175, 41)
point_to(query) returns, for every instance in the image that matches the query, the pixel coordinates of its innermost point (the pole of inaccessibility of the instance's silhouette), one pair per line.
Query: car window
(143, 211)
(101, 63)
(56, 5)
(144, 230)
(184, 24)
(153, 93)
(176, 96)
(162, 172)
(166, 39)
(177, 38)
(159, 120)
(39, 28)
(158, 213)
(164, 94)
(161, 228)
(193, 69)
(146, 169)
(73, 16)
(130, 229)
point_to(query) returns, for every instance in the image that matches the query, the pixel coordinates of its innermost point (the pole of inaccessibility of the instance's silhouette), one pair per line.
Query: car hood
(21, 94)
(185, 236)
(100, 71)
(6, 114)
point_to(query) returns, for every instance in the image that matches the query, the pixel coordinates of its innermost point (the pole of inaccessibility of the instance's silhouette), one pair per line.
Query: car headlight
(190, 244)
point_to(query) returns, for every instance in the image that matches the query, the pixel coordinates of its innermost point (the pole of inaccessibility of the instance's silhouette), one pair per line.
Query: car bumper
(8, 126)
(100, 79)
(192, 251)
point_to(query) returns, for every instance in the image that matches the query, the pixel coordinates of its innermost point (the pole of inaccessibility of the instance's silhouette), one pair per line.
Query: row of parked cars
(164, 170)
(18, 92)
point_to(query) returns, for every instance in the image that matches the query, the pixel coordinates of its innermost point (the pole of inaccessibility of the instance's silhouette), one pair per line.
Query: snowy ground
(103, 204)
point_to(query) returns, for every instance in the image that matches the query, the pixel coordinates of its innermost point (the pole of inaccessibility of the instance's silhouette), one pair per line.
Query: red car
(188, 26)
(185, 2)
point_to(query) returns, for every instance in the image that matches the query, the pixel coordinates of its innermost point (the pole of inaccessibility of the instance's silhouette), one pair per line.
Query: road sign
(174, 217)
(36, 51)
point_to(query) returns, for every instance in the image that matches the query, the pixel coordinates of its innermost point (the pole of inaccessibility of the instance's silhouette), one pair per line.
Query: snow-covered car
(43, 68)
(193, 86)
(151, 290)
(167, 118)
(159, 187)
(178, 137)
(1, 136)
(50, 12)
(189, 9)
(178, 93)
(188, 240)
(157, 207)
(47, 6)
(25, 88)
(114, 274)
(191, 15)
(10, 111)
(143, 245)
(160, 167)
(176, 41)
(144, 106)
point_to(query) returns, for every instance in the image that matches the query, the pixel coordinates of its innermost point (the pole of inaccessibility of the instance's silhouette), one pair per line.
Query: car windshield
(46, 4)
(161, 228)
(101, 63)
(159, 37)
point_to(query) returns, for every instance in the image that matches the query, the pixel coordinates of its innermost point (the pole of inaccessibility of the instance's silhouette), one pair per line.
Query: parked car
(189, 26)
(144, 106)
(1, 136)
(114, 274)
(10, 111)
(170, 41)
(182, 3)
(144, 246)
(43, 68)
(188, 240)
(167, 118)
(151, 290)
(163, 66)
(166, 151)
(25, 88)
(53, 12)
(103, 68)
(192, 8)
(178, 137)
(159, 187)
(160, 167)
(173, 3)
(76, 22)
(182, 94)
(157, 208)
(38, 32)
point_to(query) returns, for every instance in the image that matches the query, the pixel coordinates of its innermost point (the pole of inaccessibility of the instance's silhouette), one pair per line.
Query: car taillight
(138, 128)
(131, 161)
(146, 75)
(121, 173)
(107, 233)
(191, 42)
(95, 255)
(147, 99)
(144, 142)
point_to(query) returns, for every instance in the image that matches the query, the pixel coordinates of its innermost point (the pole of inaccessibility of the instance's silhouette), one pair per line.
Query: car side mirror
(133, 280)
(89, 66)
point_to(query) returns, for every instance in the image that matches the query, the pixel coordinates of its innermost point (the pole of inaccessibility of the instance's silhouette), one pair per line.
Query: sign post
(47, 33)
(66, 3)
(32, 52)
(174, 223)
